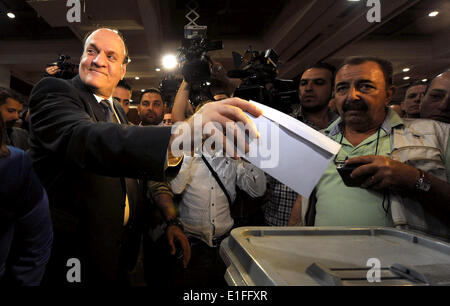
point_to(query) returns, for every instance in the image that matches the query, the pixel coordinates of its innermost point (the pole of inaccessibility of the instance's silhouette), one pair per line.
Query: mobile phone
(345, 171)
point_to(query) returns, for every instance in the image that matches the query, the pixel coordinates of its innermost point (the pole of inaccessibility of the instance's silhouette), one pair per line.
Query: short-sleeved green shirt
(339, 205)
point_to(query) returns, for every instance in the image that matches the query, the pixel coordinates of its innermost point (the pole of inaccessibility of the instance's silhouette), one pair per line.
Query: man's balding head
(436, 103)
(104, 60)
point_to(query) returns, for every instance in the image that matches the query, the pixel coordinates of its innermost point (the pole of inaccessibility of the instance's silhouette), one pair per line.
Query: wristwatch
(175, 221)
(422, 183)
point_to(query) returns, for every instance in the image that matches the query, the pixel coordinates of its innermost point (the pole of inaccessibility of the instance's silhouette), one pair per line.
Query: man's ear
(139, 109)
(124, 71)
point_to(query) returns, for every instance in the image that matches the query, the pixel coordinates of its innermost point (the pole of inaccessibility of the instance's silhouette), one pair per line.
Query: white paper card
(290, 151)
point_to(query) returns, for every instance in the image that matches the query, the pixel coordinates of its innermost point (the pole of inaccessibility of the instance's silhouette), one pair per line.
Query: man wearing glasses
(399, 169)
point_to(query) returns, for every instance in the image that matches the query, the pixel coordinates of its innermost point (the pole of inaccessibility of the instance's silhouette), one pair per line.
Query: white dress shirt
(110, 100)
(204, 208)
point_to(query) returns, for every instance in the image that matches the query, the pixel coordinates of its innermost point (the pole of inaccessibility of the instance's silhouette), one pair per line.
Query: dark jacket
(17, 137)
(25, 227)
(82, 162)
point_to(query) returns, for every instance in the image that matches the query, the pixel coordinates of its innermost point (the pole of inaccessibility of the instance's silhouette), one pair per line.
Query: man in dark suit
(83, 157)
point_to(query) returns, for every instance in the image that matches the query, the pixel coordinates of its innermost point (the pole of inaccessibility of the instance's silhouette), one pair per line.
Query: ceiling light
(406, 70)
(11, 15)
(353, 0)
(425, 80)
(433, 14)
(170, 62)
(406, 78)
(136, 78)
(142, 90)
(158, 69)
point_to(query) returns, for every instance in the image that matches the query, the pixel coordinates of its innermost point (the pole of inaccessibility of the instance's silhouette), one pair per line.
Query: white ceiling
(301, 32)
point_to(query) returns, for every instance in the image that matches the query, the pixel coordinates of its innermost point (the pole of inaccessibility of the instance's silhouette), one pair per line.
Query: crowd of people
(112, 195)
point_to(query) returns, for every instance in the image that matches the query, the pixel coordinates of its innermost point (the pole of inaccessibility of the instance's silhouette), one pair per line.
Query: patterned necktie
(110, 116)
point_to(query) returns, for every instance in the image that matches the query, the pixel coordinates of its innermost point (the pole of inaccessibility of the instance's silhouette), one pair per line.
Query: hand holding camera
(379, 173)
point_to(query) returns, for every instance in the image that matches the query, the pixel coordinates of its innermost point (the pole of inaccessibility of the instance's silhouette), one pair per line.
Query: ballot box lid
(309, 256)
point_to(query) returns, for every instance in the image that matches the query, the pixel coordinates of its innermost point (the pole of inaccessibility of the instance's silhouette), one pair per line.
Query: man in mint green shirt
(404, 167)
(361, 207)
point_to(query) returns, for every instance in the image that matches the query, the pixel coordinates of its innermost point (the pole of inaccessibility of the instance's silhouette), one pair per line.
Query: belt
(215, 241)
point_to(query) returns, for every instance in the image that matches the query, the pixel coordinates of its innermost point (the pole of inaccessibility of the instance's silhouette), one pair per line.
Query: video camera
(67, 69)
(258, 72)
(196, 69)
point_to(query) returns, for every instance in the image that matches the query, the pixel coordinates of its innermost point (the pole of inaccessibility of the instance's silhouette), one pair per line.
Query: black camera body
(196, 69)
(346, 170)
(67, 69)
(258, 72)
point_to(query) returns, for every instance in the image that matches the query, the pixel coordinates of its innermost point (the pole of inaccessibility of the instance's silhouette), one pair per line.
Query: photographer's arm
(181, 103)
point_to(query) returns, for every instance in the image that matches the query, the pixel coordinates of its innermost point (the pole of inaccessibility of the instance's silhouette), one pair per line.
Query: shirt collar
(391, 121)
(99, 99)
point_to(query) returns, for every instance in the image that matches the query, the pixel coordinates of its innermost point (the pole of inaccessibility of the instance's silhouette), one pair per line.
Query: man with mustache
(315, 91)
(403, 165)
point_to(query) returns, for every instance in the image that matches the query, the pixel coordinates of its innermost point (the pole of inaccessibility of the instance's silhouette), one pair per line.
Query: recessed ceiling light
(11, 15)
(433, 14)
(425, 80)
(406, 70)
(136, 78)
(406, 78)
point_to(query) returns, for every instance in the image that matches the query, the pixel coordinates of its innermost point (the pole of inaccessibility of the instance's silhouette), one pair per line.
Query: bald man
(436, 103)
(85, 160)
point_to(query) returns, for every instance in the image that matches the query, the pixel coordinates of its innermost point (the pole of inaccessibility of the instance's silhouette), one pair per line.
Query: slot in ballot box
(338, 256)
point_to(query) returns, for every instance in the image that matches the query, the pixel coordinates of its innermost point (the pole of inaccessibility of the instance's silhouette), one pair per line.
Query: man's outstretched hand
(225, 115)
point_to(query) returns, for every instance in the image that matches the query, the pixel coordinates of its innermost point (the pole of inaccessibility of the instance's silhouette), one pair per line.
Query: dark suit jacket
(25, 227)
(82, 162)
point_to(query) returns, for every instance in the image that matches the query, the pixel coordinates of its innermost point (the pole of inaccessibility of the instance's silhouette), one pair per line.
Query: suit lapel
(94, 109)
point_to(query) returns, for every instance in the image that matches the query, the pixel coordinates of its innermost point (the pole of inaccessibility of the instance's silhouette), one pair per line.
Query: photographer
(207, 186)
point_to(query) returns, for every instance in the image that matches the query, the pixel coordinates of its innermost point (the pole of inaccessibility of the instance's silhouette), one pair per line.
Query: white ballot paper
(289, 150)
